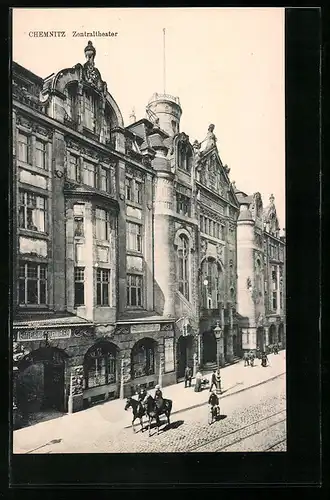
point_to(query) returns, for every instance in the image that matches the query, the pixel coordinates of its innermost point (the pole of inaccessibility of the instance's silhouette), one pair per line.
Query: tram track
(276, 444)
(240, 429)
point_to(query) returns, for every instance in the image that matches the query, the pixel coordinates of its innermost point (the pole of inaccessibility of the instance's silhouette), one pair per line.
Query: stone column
(121, 390)
(230, 351)
(278, 309)
(266, 335)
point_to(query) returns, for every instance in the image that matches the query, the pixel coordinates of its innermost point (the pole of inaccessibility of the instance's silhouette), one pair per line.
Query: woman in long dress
(218, 381)
(198, 382)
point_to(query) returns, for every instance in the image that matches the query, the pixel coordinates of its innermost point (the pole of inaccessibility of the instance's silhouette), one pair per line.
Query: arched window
(212, 283)
(143, 358)
(90, 107)
(185, 156)
(183, 265)
(258, 278)
(100, 365)
(70, 102)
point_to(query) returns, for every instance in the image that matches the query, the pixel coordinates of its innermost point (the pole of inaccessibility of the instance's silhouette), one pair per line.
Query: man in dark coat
(187, 377)
(214, 402)
(159, 397)
(213, 380)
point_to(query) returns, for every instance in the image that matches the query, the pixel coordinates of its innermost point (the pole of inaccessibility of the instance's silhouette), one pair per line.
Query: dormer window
(185, 155)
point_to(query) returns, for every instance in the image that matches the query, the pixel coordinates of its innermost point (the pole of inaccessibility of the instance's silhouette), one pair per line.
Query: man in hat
(158, 397)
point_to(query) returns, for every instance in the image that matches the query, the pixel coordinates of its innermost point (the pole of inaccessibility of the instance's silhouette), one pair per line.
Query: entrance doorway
(40, 384)
(272, 335)
(185, 354)
(281, 333)
(209, 348)
(260, 338)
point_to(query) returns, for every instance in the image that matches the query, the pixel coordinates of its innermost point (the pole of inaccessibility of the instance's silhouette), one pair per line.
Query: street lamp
(218, 334)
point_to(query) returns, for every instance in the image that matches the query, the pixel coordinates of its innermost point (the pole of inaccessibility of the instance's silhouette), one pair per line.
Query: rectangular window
(24, 147)
(79, 286)
(183, 205)
(138, 192)
(41, 154)
(103, 224)
(134, 236)
(90, 174)
(102, 287)
(129, 189)
(73, 168)
(32, 211)
(78, 220)
(207, 225)
(89, 112)
(32, 283)
(134, 290)
(105, 179)
(274, 304)
(202, 224)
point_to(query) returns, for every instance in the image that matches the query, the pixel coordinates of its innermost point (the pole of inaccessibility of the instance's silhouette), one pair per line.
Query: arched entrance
(260, 338)
(185, 354)
(209, 348)
(101, 365)
(40, 384)
(272, 335)
(281, 333)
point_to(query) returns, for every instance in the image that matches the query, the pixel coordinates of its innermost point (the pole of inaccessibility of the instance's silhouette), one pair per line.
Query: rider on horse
(158, 397)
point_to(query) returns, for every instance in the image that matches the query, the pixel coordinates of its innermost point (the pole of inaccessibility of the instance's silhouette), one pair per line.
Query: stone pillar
(121, 390)
(266, 335)
(230, 351)
(161, 361)
(278, 309)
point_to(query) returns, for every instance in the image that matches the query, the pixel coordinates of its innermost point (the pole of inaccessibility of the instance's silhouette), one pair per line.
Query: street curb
(228, 395)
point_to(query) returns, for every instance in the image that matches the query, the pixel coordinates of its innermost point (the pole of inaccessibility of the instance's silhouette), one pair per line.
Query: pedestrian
(258, 352)
(198, 382)
(246, 359)
(213, 381)
(251, 357)
(214, 403)
(187, 377)
(264, 359)
(218, 381)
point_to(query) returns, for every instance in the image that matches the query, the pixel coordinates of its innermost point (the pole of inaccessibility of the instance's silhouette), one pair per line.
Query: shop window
(32, 211)
(32, 283)
(143, 358)
(100, 366)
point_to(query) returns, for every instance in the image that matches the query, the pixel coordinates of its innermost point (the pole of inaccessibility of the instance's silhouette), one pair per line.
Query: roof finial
(272, 199)
(90, 53)
(132, 117)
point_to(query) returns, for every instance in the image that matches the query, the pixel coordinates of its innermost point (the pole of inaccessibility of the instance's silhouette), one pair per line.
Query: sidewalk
(90, 422)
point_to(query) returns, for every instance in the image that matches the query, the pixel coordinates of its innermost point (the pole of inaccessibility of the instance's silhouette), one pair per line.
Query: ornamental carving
(167, 327)
(77, 380)
(203, 248)
(220, 252)
(122, 330)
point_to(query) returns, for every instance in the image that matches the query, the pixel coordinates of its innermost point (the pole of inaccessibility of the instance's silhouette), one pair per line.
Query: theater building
(126, 246)
(261, 273)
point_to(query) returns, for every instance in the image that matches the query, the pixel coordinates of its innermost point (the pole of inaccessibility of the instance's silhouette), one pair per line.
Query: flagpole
(164, 62)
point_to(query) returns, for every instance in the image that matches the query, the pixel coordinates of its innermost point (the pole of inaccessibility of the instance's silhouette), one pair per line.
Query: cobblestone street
(253, 414)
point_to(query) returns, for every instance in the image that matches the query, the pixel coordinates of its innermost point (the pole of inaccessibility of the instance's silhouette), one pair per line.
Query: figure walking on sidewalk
(213, 381)
(187, 377)
(218, 382)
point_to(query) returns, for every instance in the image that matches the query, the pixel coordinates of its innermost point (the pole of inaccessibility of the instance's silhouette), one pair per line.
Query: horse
(138, 411)
(153, 411)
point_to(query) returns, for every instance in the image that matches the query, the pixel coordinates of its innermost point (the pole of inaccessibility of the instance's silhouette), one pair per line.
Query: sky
(225, 64)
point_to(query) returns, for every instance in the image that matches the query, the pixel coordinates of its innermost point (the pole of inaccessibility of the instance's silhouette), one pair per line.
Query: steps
(209, 367)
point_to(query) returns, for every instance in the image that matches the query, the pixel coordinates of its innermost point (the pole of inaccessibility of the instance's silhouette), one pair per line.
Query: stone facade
(131, 232)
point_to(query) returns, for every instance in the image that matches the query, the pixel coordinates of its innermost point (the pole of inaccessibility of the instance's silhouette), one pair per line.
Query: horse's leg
(141, 423)
(133, 424)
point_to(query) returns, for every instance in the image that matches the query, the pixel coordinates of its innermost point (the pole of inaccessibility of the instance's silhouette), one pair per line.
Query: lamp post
(121, 391)
(219, 336)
